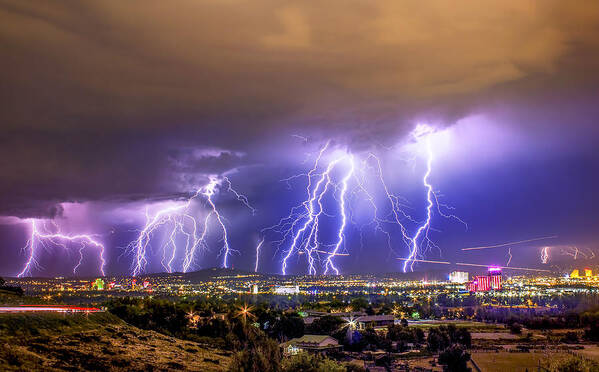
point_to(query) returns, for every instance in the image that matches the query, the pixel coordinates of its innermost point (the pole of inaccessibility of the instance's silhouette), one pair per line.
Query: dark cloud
(110, 99)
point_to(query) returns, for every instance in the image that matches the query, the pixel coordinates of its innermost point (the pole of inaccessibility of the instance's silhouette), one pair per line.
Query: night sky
(114, 108)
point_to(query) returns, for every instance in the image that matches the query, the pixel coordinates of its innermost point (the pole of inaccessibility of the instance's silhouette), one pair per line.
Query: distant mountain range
(213, 272)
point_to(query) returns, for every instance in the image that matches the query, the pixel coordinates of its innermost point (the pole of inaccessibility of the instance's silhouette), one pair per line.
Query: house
(312, 315)
(311, 344)
(376, 321)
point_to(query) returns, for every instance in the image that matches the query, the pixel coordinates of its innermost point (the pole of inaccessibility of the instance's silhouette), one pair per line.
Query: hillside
(55, 342)
(211, 273)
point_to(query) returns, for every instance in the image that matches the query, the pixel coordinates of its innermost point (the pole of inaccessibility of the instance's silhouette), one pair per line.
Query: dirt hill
(56, 342)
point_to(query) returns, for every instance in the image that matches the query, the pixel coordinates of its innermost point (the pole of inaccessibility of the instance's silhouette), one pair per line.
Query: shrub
(516, 328)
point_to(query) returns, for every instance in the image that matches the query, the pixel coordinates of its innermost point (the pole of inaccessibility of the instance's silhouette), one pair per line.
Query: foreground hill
(56, 342)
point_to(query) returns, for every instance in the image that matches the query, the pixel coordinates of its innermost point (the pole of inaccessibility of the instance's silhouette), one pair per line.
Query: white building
(311, 344)
(287, 290)
(460, 277)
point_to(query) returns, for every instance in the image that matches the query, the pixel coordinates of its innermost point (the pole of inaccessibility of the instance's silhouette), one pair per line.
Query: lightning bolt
(544, 255)
(509, 243)
(176, 216)
(258, 253)
(421, 237)
(181, 222)
(306, 237)
(509, 254)
(396, 216)
(301, 228)
(40, 236)
(478, 265)
(340, 232)
(422, 231)
(209, 193)
(575, 252)
(299, 232)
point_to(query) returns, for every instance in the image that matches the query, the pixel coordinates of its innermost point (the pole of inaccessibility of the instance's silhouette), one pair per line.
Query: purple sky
(112, 106)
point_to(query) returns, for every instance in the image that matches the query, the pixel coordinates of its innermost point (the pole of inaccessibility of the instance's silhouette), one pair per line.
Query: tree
(326, 325)
(404, 322)
(461, 336)
(304, 362)
(455, 358)
(570, 338)
(592, 333)
(437, 339)
(2, 282)
(419, 335)
(371, 338)
(264, 355)
(358, 304)
(516, 328)
(288, 326)
(405, 334)
(573, 364)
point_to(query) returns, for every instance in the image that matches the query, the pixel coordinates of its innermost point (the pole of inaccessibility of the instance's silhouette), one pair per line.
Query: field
(471, 325)
(57, 342)
(590, 351)
(503, 362)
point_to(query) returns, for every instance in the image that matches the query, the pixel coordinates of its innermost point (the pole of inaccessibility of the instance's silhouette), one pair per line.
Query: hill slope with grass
(101, 341)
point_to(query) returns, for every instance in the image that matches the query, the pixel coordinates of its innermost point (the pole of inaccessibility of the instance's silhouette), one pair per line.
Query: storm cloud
(111, 105)
(99, 96)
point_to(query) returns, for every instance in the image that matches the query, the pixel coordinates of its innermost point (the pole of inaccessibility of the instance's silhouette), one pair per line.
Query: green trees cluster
(326, 325)
(304, 362)
(456, 358)
(405, 335)
(257, 353)
(254, 350)
(572, 364)
(442, 337)
(590, 320)
(286, 327)
(160, 315)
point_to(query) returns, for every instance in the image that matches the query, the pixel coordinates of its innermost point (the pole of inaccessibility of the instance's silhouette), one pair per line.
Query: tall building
(458, 277)
(483, 282)
(491, 281)
(496, 278)
(574, 274)
(588, 272)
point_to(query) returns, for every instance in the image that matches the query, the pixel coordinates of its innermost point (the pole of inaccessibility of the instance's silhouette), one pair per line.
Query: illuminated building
(98, 284)
(311, 344)
(481, 283)
(458, 277)
(286, 290)
(496, 278)
(588, 272)
(255, 289)
(575, 274)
